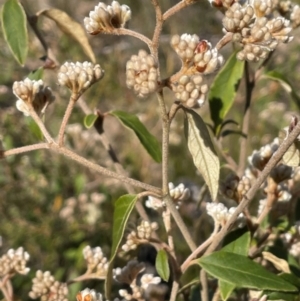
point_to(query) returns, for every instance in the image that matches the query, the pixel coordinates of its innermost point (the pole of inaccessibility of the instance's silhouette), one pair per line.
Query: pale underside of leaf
(202, 151)
(71, 28)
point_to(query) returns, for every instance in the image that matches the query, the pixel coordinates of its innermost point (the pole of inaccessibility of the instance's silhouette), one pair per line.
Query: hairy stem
(40, 124)
(158, 27)
(204, 286)
(81, 160)
(23, 149)
(252, 191)
(177, 7)
(66, 117)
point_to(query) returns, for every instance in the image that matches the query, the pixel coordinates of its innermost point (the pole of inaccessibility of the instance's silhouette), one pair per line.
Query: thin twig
(68, 112)
(128, 32)
(40, 123)
(204, 286)
(23, 149)
(158, 27)
(252, 191)
(176, 8)
(225, 40)
(81, 160)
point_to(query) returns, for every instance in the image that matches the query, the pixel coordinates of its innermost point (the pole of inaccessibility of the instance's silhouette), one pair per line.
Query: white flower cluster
(148, 279)
(179, 194)
(32, 93)
(257, 34)
(95, 261)
(45, 287)
(105, 18)
(89, 295)
(220, 213)
(78, 77)
(196, 54)
(141, 235)
(14, 261)
(235, 188)
(142, 74)
(260, 158)
(190, 91)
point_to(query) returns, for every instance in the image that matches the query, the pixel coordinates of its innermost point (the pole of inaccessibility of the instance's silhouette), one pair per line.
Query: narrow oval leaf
(36, 74)
(202, 150)
(89, 120)
(223, 90)
(123, 208)
(13, 21)
(279, 77)
(292, 156)
(279, 263)
(226, 289)
(70, 27)
(242, 272)
(237, 242)
(149, 142)
(162, 265)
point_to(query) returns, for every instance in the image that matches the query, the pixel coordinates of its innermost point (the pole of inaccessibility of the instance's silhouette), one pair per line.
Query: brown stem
(128, 32)
(40, 123)
(176, 8)
(24, 149)
(68, 112)
(225, 40)
(158, 27)
(204, 286)
(252, 191)
(81, 160)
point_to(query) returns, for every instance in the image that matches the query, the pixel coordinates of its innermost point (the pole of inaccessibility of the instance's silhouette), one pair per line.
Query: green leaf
(149, 142)
(242, 272)
(226, 289)
(123, 208)
(237, 242)
(202, 150)
(70, 27)
(13, 21)
(279, 77)
(162, 265)
(89, 120)
(36, 74)
(223, 90)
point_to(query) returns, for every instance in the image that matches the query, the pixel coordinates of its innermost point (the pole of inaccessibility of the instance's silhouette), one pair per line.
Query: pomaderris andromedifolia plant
(235, 261)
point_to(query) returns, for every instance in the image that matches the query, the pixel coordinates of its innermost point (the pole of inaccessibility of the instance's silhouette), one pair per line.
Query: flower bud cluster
(196, 54)
(207, 59)
(142, 74)
(238, 17)
(185, 46)
(220, 213)
(260, 158)
(105, 18)
(14, 261)
(190, 91)
(45, 287)
(78, 77)
(235, 188)
(222, 4)
(89, 295)
(148, 279)
(178, 193)
(141, 235)
(295, 16)
(96, 262)
(135, 294)
(262, 7)
(32, 93)
(250, 27)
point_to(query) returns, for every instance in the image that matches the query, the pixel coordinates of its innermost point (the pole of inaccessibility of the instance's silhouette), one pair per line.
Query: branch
(176, 8)
(252, 191)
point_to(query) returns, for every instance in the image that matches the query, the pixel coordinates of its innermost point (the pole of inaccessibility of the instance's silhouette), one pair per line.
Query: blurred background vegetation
(52, 206)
